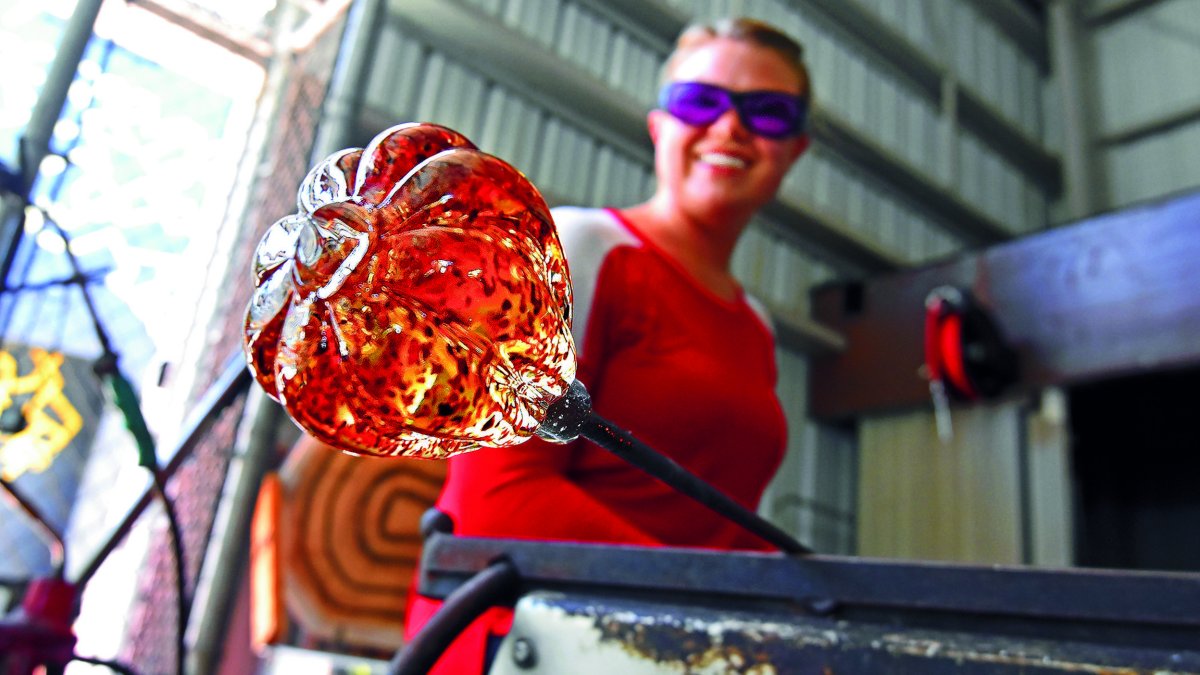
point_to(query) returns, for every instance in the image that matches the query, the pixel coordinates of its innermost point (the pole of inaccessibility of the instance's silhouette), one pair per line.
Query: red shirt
(686, 372)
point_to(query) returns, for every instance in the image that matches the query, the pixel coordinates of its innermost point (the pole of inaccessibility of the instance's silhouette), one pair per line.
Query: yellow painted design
(50, 419)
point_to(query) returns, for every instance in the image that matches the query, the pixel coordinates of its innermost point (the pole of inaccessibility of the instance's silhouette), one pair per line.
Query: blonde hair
(743, 29)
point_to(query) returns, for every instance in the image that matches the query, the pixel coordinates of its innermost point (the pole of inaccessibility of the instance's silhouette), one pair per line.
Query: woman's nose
(730, 124)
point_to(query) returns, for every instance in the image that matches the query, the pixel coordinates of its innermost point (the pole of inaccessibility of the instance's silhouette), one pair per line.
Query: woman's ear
(802, 143)
(653, 119)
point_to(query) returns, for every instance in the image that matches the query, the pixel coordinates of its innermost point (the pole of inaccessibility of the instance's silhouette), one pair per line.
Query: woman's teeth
(719, 159)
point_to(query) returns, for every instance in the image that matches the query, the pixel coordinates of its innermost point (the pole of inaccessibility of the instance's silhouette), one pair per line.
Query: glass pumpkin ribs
(417, 304)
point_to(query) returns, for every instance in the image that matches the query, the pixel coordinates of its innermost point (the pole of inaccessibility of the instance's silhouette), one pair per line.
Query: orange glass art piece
(418, 303)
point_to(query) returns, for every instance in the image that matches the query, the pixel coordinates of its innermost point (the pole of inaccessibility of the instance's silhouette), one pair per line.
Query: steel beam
(1120, 607)
(1083, 185)
(893, 51)
(1111, 12)
(1136, 132)
(1020, 25)
(1111, 296)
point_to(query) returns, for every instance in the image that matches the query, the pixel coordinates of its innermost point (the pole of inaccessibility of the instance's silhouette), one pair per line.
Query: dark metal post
(35, 143)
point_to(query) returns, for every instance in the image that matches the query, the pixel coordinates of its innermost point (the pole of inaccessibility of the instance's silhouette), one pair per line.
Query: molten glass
(418, 304)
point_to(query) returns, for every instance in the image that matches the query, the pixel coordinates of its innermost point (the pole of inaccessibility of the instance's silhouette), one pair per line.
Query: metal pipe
(41, 526)
(571, 417)
(219, 583)
(1081, 181)
(349, 80)
(35, 142)
(1116, 11)
(264, 417)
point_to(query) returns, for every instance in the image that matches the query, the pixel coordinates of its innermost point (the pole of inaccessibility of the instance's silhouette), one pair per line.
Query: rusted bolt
(523, 653)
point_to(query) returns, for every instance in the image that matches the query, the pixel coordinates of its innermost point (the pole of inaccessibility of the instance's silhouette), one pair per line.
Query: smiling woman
(670, 346)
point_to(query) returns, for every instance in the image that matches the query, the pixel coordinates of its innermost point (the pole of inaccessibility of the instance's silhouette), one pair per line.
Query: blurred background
(160, 138)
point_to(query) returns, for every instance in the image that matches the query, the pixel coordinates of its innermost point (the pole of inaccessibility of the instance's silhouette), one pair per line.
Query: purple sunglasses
(772, 114)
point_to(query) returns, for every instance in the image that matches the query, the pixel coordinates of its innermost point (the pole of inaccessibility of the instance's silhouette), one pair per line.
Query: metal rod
(35, 144)
(234, 380)
(622, 444)
(221, 576)
(87, 278)
(1083, 179)
(93, 314)
(43, 528)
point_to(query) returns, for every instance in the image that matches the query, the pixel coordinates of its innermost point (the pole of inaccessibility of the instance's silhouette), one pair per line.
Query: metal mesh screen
(280, 166)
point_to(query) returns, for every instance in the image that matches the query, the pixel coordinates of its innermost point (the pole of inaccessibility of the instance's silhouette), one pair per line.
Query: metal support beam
(804, 335)
(1137, 132)
(1111, 12)
(1082, 183)
(893, 51)
(234, 380)
(35, 142)
(248, 46)
(1020, 25)
(348, 82)
(910, 182)
(656, 20)
(1104, 298)
(254, 454)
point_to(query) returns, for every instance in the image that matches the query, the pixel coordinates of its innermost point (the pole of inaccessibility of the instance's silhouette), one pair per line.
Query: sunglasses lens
(772, 115)
(695, 103)
(766, 113)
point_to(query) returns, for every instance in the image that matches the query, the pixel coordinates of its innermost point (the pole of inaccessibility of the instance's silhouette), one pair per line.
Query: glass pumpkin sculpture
(417, 304)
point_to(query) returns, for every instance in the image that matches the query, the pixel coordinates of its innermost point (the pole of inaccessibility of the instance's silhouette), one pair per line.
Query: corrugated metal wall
(1148, 97)
(928, 128)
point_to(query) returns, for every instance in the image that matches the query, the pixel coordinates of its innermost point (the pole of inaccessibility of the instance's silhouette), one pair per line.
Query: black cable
(125, 398)
(91, 277)
(115, 666)
(490, 587)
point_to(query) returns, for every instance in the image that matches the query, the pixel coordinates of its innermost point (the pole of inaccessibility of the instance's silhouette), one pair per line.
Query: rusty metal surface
(580, 634)
(1110, 296)
(884, 614)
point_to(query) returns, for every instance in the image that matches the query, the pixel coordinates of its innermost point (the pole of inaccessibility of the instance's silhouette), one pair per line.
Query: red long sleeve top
(688, 373)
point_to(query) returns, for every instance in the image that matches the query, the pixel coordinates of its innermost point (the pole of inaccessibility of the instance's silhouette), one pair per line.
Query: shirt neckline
(738, 302)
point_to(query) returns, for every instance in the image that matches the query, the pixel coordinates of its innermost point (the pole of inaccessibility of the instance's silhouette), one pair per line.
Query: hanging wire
(107, 367)
(115, 666)
(50, 536)
(14, 298)
(55, 341)
(25, 335)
